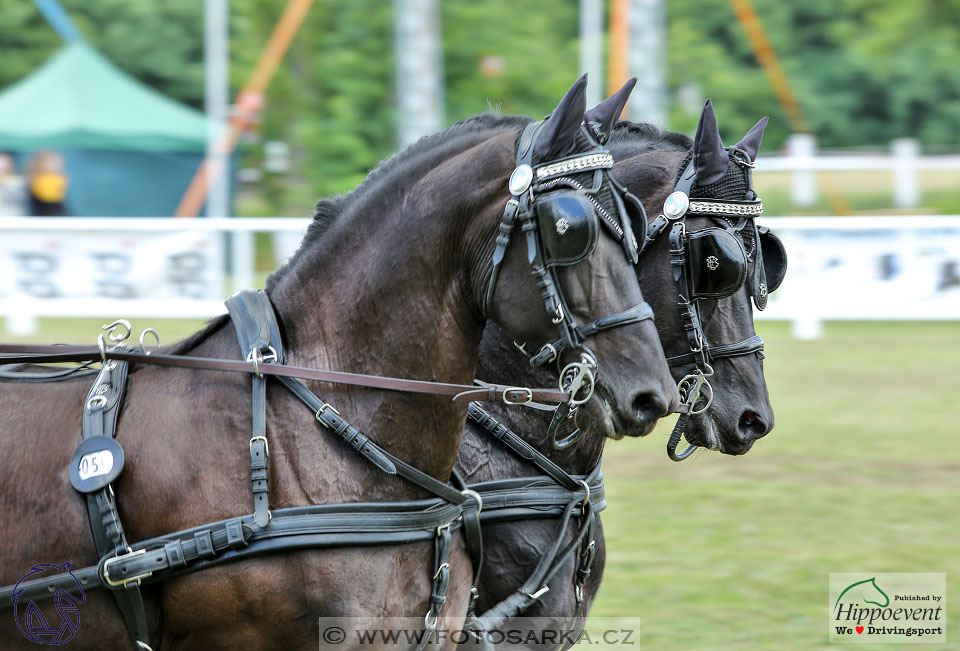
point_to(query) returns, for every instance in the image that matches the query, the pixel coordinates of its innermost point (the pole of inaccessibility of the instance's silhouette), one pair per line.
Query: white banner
(850, 269)
(124, 265)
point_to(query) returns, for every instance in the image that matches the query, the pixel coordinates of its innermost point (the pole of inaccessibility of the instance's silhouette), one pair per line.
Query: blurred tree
(865, 71)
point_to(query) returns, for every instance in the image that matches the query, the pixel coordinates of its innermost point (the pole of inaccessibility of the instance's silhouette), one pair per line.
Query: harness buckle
(443, 566)
(325, 407)
(123, 557)
(553, 352)
(266, 446)
(560, 315)
(443, 527)
(539, 593)
(524, 391)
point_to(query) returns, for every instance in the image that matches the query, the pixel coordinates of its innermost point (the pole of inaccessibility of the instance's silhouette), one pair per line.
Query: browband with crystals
(747, 208)
(602, 160)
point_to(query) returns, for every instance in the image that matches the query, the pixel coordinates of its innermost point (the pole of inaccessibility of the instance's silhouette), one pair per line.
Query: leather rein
(264, 364)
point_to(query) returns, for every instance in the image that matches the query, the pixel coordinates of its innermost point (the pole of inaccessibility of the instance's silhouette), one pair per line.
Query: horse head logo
(864, 589)
(30, 619)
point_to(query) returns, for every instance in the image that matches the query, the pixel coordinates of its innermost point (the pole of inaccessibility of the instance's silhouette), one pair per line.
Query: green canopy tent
(130, 151)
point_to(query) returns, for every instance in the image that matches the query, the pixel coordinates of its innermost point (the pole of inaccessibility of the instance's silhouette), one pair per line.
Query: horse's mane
(643, 133)
(328, 210)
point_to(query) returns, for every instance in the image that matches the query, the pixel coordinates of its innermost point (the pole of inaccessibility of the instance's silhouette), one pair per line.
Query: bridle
(559, 205)
(708, 264)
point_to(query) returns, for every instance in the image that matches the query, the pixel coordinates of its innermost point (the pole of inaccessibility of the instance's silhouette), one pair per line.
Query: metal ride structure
(124, 566)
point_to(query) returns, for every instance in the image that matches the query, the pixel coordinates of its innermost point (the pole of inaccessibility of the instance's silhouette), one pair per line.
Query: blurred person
(47, 185)
(12, 190)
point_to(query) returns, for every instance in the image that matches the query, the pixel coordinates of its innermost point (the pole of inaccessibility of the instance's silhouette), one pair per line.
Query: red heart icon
(859, 630)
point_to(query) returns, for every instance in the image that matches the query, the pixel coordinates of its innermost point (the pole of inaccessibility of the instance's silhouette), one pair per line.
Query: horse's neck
(383, 294)
(500, 360)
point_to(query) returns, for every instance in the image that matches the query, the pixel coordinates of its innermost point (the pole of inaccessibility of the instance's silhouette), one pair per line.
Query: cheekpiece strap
(258, 333)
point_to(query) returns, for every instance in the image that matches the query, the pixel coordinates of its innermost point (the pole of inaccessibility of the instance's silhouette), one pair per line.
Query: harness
(124, 567)
(712, 263)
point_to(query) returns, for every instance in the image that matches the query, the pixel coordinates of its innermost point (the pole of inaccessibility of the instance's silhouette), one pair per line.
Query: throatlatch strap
(259, 335)
(100, 412)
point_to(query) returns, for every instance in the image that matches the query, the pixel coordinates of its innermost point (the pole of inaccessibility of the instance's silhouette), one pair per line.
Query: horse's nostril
(649, 406)
(752, 426)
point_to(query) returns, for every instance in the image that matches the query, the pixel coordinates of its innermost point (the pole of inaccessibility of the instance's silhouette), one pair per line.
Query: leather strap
(521, 448)
(27, 354)
(636, 314)
(210, 545)
(100, 412)
(752, 345)
(258, 333)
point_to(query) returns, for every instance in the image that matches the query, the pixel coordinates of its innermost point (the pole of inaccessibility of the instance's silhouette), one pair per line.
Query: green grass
(862, 473)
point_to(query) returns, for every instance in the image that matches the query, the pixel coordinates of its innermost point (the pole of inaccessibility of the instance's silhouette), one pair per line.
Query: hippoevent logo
(891, 607)
(31, 621)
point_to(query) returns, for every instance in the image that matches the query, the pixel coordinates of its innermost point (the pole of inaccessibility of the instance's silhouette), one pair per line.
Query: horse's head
(704, 260)
(562, 280)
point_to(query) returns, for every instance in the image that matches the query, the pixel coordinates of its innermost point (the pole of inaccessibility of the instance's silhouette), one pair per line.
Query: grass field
(862, 473)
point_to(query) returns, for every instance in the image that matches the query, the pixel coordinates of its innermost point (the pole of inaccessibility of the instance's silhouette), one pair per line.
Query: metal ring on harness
(156, 335)
(114, 333)
(100, 400)
(573, 377)
(475, 495)
(586, 487)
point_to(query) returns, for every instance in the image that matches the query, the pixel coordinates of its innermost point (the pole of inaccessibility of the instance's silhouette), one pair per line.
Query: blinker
(718, 263)
(568, 227)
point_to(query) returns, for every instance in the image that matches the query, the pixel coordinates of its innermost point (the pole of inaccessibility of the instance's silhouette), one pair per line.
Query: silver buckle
(123, 582)
(522, 401)
(443, 566)
(266, 446)
(325, 407)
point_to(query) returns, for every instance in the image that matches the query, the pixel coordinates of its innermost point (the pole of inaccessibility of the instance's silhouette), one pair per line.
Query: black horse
(392, 279)
(649, 162)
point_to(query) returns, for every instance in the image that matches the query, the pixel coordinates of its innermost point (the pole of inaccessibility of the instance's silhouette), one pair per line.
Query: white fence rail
(128, 267)
(904, 162)
(851, 268)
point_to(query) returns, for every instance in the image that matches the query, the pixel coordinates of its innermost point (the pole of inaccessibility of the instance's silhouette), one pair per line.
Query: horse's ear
(709, 154)
(750, 143)
(559, 134)
(600, 118)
